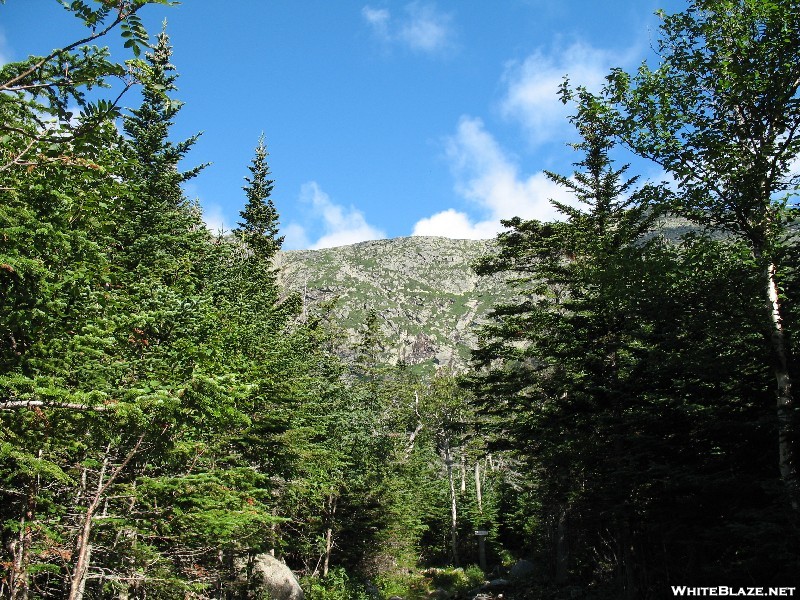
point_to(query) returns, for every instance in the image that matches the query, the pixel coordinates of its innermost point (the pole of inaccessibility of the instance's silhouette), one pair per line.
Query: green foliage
(259, 230)
(457, 581)
(167, 411)
(116, 338)
(720, 114)
(36, 94)
(624, 349)
(337, 585)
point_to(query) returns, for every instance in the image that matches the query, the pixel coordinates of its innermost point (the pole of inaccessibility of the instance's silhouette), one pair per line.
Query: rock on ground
(273, 576)
(522, 569)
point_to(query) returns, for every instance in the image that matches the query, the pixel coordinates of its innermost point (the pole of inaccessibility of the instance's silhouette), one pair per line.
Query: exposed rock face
(423, 289)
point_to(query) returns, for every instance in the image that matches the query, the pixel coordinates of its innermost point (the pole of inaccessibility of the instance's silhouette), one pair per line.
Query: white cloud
(425, 29)
(486, 175)
(456, 225)
(340, 225)
(213, 218)
(378, 18)
(212, 213)
(793, 168)
(294, 237)
(532, 86)
(422, 28)
(491, 180)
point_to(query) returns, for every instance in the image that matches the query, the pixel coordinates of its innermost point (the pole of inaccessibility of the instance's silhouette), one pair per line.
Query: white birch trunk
(478, 490)
(448, 460)
(784, 395)
(463, 474)
(329, 535)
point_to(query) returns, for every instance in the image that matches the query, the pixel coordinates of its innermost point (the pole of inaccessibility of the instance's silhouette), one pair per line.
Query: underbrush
(337, 585)
(341, 585)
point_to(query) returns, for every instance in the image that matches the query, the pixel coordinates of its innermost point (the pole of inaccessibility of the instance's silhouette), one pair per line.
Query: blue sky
(382, 118)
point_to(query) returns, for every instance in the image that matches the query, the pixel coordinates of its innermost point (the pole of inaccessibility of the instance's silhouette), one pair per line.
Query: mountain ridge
(423, 289)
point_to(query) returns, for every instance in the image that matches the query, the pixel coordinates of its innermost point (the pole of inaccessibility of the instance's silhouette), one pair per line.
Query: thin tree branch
(13, 404)
(121, 16)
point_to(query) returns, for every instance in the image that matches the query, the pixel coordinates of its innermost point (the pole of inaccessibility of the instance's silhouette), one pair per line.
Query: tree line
(169, 413)
(646, 381)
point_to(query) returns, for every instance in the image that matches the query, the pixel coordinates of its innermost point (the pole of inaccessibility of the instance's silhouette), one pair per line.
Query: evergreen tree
(629, 379)
(721, 115)
(251, 285)
(58, 371)
(568, 349)
(259, 228)
(162, 232)
(58, 367)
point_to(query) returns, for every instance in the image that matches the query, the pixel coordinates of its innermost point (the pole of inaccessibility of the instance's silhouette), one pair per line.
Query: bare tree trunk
(478, 490)
(83, 548)
(82, 583)
(18, 578)
(463, 474)
(130, 534)
(448, 461)
(19, 581)
(785, 398)
(417, 429)
(273, 531)
(329, 534)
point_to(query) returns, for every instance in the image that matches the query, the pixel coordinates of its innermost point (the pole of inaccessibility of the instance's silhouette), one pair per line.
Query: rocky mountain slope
(424, 291)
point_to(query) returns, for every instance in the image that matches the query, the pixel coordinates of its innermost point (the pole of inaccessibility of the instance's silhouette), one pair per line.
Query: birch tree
(721, 114)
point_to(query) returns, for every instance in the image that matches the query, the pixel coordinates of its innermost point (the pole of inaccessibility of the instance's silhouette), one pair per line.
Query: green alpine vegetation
(602, 406)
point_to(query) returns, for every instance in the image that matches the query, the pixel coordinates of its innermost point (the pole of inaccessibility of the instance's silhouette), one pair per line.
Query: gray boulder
(522, 569)
(494, 585)
(272, 576)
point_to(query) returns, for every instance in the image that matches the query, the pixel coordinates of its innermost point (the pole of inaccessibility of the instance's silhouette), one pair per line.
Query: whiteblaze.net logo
(724, 590)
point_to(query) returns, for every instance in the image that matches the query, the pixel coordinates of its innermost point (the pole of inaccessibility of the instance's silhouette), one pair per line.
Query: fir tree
(565, 350)
(163, 232)
(259, 228)
(721, 115)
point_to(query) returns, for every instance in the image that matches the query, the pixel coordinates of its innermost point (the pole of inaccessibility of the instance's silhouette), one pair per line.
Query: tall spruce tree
(163, 232)
(259, 228)
(252, 282)
(565, 353)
